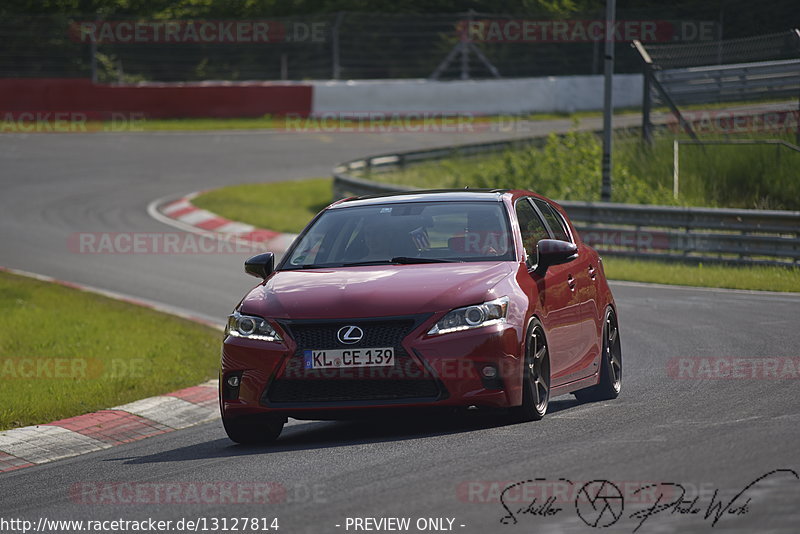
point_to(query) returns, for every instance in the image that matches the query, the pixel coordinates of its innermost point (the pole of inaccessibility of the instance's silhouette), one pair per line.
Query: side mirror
(260, 265)
(554, 252)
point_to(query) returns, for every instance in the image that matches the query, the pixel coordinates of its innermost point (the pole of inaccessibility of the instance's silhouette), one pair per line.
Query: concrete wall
(485, 97)
(253, 99)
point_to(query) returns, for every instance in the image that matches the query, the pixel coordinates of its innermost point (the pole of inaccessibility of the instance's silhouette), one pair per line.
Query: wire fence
(773, 46)
(339, 45)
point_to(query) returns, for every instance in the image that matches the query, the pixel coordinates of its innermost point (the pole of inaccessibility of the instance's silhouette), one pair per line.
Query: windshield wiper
(369, 262)
(315, 266)
(406, 260)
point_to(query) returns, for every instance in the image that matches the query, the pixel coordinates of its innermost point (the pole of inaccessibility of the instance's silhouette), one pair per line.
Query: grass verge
(282, 206)
(731, 277)
(289, 206)
(294, 124)
(568, 168)
(64, 352)
(329, 124)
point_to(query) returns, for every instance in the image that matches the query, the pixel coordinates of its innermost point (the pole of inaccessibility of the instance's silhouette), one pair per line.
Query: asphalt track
(704, 434)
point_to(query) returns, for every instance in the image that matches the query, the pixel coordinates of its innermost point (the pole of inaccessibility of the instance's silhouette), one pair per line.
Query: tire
(253, 430)
(535, 378)
(610, 382)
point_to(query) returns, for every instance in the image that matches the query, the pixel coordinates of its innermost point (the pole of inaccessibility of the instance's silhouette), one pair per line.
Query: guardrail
(738, 236)
(726, 83)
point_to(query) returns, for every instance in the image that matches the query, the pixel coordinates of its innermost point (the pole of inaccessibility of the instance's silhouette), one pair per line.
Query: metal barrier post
(675, 168)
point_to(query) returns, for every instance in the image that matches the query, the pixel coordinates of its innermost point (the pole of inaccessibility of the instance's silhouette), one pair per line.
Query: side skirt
(575, 385)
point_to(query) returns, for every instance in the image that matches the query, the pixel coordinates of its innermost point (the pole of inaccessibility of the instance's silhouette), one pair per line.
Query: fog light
(230, 386)
(489, 371)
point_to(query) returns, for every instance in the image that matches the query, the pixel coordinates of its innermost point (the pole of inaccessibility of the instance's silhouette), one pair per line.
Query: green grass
(136, 123)
(271, 122)
(283, 206)
(750, 277)
(64, 352)
(266, 122)
(296, 124)
(658, 109)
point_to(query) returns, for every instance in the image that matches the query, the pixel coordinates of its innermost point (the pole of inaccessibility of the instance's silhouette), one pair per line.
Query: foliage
(208, 8)
(568, 168)
(741, 17)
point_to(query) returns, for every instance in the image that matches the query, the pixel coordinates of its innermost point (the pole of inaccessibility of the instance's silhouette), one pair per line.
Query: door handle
(592, 272)
(571, 282)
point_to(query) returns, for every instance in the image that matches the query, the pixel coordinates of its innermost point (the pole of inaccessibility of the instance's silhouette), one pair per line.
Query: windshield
(411, 232)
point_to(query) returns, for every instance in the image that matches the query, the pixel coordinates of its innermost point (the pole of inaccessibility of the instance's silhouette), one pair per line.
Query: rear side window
(554, 220)
(531, 228)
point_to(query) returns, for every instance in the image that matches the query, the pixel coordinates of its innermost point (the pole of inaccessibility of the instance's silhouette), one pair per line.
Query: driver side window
(532, 229)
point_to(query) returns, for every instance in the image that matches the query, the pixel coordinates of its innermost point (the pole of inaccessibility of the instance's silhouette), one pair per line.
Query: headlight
(488, 313)
(250, 327)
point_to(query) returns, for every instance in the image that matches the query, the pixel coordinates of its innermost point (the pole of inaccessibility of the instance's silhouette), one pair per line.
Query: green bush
(568, 168)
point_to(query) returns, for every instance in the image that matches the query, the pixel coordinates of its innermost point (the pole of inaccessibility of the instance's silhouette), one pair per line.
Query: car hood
(374, 291)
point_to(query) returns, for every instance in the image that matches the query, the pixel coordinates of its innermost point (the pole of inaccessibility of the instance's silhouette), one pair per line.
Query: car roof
(486, 195)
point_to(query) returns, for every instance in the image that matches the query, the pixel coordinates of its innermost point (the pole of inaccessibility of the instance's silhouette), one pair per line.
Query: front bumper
(442, 371)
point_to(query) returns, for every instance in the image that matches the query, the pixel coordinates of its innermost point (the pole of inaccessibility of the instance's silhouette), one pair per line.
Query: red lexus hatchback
(426, 299)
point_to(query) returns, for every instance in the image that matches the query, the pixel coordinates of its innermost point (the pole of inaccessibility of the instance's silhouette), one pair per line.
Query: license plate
(338, 358)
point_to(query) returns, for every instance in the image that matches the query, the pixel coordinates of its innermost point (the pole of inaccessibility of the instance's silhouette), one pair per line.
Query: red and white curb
(183, 214)
(33, 445)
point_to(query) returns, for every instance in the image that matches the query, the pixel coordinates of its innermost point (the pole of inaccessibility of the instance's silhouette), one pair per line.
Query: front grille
(406, 379)
(376, 333)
